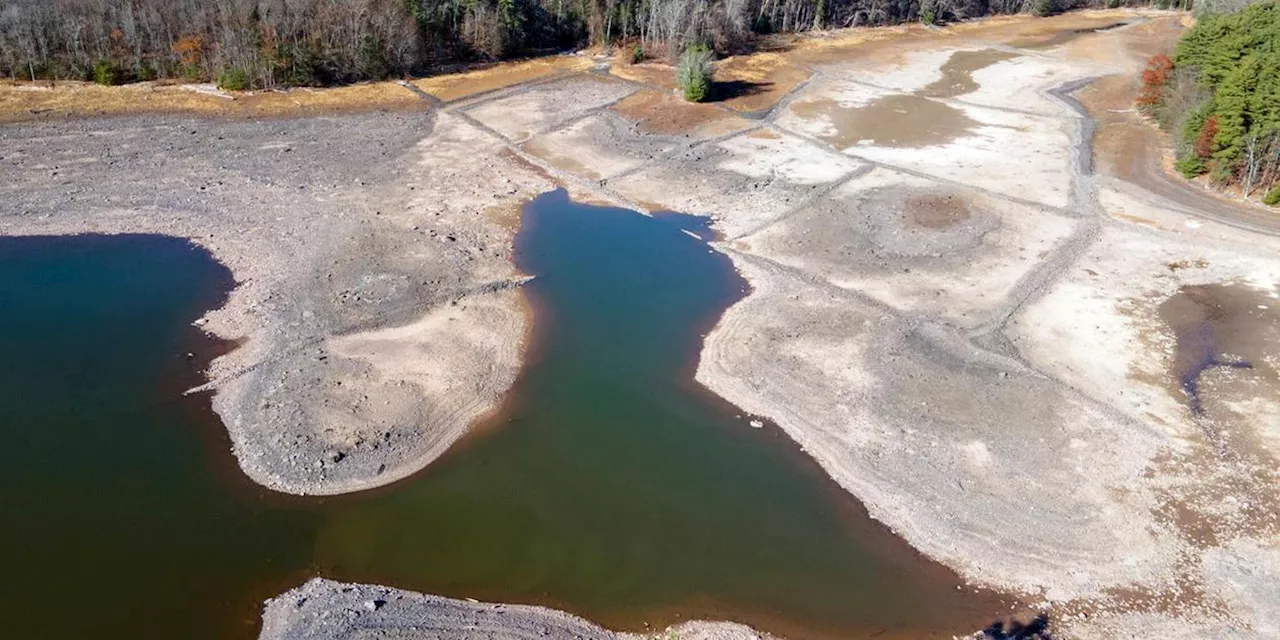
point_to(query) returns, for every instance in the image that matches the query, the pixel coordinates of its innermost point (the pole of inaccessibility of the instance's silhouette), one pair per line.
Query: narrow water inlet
(611, 485)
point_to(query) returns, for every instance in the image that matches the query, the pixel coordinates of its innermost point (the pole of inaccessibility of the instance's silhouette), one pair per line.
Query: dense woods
(1219, 95)
(270, 43)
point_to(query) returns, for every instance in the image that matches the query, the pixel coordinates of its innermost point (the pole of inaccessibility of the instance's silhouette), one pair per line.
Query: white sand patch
(593, 147)
(1096, 327)
(1129, 204)
(1022, 83)
(919, 69)
(1011, 154)
(782, 157)
(942, 458)
(922, 270)
(1247, 574)
(743, 183)
(518, 117)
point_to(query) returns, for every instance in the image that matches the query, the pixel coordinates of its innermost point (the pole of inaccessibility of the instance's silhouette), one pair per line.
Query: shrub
(929, 12)
(1045, 8)
(1154, 79)
(693, 74)
(190, 50)
(106, 72)
(1272, 198)
(1205, 140)
(637, 55)
(233, 79)
(1190, 166)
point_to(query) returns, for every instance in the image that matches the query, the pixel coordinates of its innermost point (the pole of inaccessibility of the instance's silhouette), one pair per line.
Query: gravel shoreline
(327, 610)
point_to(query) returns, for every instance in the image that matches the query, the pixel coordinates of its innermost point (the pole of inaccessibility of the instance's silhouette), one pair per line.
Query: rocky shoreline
(326, 610)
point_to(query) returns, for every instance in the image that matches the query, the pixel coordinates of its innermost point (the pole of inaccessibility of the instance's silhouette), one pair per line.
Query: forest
(1219, 96)
(244, 44)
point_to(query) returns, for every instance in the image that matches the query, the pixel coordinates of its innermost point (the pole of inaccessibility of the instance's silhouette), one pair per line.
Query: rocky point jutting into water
(971, 291)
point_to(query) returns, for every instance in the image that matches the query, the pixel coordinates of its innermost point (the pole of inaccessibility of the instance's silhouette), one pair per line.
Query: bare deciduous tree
(289, 42)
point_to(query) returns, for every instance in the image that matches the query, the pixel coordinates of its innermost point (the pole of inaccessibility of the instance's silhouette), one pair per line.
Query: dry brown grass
(663, 112)
(762, 79)
(752, 82)
(654, 74)
(25, 101)
(456, 86)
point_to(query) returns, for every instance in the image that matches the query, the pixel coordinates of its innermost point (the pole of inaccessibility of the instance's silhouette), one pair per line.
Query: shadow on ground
(721, 91)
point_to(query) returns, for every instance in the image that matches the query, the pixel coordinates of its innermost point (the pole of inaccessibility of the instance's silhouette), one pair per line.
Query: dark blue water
(114, 525)
(611, 485)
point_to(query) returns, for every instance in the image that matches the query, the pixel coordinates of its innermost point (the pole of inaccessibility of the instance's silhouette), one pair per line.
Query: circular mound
(935, 210)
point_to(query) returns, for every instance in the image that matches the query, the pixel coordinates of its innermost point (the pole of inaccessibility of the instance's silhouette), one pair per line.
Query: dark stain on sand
(1222, 325)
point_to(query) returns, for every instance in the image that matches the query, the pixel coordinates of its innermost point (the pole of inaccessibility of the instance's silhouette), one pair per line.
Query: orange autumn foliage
(190, 49)
(1154, 78)
(1204, 146)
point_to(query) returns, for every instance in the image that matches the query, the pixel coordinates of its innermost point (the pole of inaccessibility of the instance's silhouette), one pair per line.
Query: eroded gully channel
(611, 485)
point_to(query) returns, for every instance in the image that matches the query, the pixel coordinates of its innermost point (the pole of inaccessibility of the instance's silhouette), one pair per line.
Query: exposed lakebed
(610, 485)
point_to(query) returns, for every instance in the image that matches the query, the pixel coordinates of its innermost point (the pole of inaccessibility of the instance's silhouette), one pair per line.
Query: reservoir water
(610, 485)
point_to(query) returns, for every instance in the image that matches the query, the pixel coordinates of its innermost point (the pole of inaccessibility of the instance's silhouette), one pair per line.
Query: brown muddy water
(1064, 36)
(611, 485)
(898, 120)
(908, 120)
(957, 72)
(1224, 325)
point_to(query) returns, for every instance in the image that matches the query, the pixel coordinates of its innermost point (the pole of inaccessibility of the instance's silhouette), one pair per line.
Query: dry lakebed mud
(972, 300)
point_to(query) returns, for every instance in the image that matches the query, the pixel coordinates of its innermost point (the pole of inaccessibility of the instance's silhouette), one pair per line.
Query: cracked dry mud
(966, 325)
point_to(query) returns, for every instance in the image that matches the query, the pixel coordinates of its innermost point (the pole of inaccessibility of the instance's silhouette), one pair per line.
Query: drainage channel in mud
(907, 119)
(957, 72)
(1065, 36)
(612, 485)
(1232, 326)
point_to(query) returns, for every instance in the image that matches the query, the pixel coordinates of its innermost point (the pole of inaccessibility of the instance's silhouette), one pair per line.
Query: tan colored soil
(937, 211)
(663, 113)
(465, 84)
(26, 101)
(757, 82)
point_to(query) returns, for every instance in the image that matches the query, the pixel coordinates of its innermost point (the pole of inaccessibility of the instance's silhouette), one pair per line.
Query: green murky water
(612, 485)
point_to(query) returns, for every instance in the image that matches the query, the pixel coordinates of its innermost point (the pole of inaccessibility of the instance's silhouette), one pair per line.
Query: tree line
(272, 43)
(1219, 95)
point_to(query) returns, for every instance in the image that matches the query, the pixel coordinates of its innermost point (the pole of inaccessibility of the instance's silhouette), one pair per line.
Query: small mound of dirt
(936, 210)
